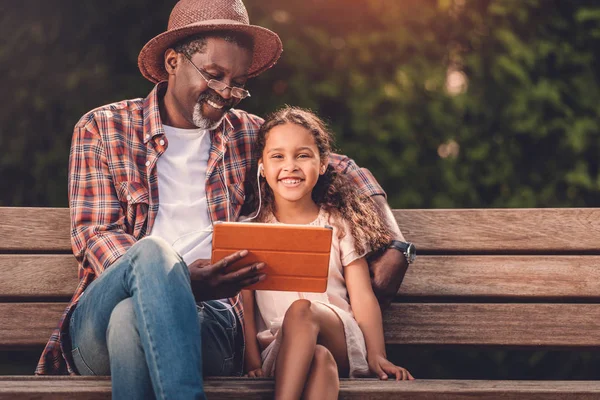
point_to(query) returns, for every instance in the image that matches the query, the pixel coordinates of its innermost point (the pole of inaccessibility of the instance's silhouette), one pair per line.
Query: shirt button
(128, 197)
(147, 163)
(162, 142)
(147, 137)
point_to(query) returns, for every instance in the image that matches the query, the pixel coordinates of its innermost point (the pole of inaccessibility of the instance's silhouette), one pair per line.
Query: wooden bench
(501, 278)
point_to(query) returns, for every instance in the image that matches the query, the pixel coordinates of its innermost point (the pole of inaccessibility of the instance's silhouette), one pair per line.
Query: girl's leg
(306, 324)
(323, 382)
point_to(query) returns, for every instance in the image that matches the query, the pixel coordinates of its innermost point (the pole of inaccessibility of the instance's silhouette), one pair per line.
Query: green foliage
(520, 130)
(524, 131)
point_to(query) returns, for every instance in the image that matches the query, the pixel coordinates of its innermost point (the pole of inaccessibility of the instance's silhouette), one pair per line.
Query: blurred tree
(451, 103)
(59, 59)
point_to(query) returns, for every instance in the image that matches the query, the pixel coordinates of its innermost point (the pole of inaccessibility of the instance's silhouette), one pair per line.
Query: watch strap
(398, 245)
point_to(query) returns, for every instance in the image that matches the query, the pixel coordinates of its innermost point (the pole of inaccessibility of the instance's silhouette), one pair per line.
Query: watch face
(411, 253)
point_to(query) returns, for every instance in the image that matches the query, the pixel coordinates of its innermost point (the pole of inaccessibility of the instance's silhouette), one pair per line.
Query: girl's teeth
(291, 181)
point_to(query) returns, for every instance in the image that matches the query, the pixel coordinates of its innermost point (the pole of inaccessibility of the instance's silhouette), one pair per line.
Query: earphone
(259, 169)
(225, 140)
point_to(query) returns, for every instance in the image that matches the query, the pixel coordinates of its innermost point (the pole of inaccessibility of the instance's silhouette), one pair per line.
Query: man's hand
(215, 281)
(387, 272)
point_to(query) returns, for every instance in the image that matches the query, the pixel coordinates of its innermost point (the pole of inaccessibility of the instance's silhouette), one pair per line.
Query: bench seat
(526, 279)
(92, 388)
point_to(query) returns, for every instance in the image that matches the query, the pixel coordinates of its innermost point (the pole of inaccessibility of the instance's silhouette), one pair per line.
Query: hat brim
(266, 52)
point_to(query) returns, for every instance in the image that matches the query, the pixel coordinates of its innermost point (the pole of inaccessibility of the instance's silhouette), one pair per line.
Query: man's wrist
(406, 248)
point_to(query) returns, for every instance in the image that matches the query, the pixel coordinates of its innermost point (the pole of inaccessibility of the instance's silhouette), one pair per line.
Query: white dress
(272, 305)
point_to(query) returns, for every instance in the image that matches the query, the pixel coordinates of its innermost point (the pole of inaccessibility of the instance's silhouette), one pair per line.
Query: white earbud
(260, 168)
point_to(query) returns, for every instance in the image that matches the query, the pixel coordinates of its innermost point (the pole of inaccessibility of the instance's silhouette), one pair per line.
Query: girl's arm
(252, 359)
(368, 315)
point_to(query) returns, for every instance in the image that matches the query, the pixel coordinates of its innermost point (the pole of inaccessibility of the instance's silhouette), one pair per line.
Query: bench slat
(519, 278)
(545, 325)
(34, 229)
(546, 230)
(475, 278)
(549, 325)
(25, 387)
(472, 230)
(37, 276)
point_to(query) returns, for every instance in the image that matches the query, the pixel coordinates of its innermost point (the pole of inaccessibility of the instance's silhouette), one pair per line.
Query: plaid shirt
(113, 190)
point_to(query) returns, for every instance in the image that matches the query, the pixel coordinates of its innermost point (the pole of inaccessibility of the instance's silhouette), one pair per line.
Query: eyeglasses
(218, 85)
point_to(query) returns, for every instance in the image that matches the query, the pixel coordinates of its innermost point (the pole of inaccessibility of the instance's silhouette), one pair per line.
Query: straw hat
(190, 17)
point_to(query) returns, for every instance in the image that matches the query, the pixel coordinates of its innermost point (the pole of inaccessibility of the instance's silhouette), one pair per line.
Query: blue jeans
(139, 323)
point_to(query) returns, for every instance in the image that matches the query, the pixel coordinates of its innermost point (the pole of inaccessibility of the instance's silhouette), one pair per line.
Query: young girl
(307, 340)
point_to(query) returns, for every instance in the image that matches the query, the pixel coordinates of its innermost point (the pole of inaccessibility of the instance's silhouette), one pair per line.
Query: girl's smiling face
(291, 163)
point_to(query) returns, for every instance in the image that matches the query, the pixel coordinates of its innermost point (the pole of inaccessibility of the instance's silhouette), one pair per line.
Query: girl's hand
(256, 373)
(381, 367)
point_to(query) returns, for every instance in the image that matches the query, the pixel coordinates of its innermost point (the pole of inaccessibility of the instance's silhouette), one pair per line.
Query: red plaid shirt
(113, 190)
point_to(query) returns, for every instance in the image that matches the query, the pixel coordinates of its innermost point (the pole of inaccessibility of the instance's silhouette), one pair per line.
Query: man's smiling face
(189, 102)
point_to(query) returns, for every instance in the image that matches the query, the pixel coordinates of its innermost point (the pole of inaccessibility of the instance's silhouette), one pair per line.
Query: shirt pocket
(134, 200)
(236, 197)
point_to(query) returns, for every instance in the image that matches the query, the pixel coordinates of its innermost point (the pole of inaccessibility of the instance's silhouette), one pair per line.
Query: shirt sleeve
(98, 234)
(362, 177)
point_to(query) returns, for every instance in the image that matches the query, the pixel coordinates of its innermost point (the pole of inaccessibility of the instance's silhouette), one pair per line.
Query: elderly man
(147, 178)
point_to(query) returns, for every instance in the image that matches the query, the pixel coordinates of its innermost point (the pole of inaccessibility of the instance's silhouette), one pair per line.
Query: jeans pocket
(227, 368)
(217, 349)
(215, 362)
(80, 364)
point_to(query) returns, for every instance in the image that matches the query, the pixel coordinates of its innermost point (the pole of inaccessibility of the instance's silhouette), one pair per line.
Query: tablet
(296, 256)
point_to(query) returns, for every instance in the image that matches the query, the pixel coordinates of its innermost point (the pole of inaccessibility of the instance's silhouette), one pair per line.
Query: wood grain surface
(537, 230)
(528, 325)
(83, 388)
(34, 229)
(447, 278)
(37, 276)
(497, 278)
(461, 230)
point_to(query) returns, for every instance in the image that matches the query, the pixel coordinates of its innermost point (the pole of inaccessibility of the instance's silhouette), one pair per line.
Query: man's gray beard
(202, 122)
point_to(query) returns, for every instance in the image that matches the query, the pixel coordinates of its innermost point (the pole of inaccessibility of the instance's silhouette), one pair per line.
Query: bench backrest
(495, 277)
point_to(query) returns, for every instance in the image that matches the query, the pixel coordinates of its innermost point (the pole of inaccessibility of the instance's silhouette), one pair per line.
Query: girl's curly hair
(334, 192)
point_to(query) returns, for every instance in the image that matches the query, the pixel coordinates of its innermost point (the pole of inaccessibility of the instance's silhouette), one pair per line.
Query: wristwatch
(408, 249)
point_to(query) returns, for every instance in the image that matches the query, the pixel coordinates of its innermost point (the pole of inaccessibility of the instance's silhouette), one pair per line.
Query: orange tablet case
(296, 256)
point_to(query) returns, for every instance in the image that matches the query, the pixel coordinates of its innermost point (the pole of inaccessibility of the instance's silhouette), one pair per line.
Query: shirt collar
(152, 122)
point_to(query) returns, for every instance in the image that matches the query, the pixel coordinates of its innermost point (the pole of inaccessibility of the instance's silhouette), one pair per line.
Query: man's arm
(98, 235)
(389, 268)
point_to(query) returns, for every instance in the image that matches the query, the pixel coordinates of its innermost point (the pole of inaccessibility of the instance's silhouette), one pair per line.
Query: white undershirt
(182, 218)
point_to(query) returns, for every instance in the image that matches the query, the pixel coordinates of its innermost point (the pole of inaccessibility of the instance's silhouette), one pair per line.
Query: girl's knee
(300, 310)
(324, 360)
